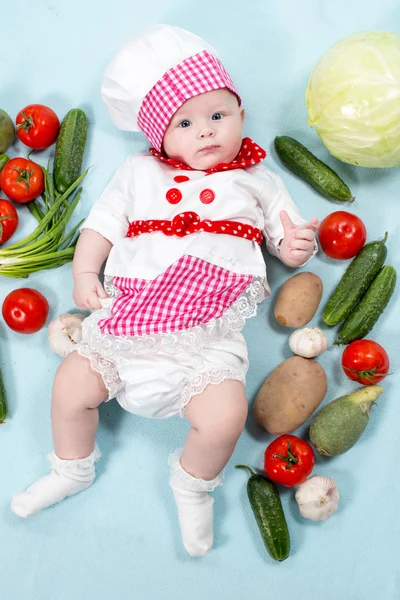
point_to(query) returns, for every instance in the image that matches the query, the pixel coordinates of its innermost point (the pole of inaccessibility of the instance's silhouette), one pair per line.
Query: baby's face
(206, 130)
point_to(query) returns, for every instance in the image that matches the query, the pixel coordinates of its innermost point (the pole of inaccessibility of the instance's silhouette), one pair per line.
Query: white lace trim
(186, 481)
(80, 469)
(190, 340)
(198, 383)
(104, 366)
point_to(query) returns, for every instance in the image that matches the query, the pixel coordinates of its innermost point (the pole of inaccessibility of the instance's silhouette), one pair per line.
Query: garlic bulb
(308, 342)
(64, 332)
(317, 498)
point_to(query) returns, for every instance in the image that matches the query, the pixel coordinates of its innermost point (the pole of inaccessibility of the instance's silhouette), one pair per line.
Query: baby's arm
(288, 235)
(91, 251)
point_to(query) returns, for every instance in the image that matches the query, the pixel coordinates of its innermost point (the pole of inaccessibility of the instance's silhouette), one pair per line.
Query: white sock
(67, 477)
(195, 507)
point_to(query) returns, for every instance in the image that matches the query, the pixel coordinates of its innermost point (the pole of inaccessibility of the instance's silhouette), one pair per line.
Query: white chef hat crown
(154, 74)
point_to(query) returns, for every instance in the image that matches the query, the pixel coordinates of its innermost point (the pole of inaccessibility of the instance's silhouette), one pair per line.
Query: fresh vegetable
(290, 394)
(8, 220)
(25, 310)
(37, 126)
(362, 319)
(267, 508)
(298, 300)
(64, 332)
(318, 498)
(3, 160)
(308, 342)
(288, 460)
(70, 147)
(352, 99)
(7, 131)
(365, 361)
(48, 246)
(22, 179)
(338, 426)
(307, 166)
(3, 400)
(355, 281)
(342, 235)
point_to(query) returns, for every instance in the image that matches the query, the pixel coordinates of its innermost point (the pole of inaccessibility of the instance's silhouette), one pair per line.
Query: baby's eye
(185, 123)
(217, 116)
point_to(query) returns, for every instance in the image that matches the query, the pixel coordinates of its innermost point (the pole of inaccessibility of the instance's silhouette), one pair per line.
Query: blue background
(120, 539)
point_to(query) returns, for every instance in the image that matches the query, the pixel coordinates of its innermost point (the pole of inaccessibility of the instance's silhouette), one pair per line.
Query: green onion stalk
(48, 246)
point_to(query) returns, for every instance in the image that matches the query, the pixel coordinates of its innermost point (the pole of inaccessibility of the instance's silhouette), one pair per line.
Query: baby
(180, 229)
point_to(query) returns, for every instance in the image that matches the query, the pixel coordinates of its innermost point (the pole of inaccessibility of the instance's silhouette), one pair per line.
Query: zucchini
(365, 315)
(355, 281)
(3, 160)
(70, 146)
(302, 162)
(267, 508)
(3, 400)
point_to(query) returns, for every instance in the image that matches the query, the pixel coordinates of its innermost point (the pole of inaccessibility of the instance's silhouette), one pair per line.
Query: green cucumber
(3, 400)
(355, 281)
(338, 426)
(267, 508)
(3, 160)
(70, 146)
(362, 319)
(302, 162)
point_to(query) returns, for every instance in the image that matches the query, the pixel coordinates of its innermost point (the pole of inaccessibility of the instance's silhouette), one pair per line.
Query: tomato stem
(27, 123)
(290, 458)
(24, 175)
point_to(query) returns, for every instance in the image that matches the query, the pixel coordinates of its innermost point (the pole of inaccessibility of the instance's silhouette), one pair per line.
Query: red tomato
(8, 220)
(21, 179)
(365, 361)
(288, 460)
(25, 310)
(37, 126)
(342, 235)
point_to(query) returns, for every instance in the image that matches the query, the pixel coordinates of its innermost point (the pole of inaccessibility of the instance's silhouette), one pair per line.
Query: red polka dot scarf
(250, 154)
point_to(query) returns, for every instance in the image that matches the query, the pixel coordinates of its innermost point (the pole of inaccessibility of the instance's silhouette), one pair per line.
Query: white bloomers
(155, 383)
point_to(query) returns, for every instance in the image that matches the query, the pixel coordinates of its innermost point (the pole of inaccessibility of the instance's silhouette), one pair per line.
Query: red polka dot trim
(207, 196)
(189, 222)
(173, 196)
(181, 178)
(249, 155)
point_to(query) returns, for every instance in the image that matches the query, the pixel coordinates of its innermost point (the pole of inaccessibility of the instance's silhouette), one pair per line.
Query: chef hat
(154, 74)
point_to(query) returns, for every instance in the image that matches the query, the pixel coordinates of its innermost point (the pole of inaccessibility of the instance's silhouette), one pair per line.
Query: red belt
(189, 222)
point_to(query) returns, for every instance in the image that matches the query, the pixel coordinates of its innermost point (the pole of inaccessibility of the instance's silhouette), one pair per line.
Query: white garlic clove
(308, 342)
(64, 332)
(318, 498)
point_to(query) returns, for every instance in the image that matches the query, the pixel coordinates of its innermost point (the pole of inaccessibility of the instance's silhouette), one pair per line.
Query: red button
(207, 196)
(173, 196)
(181, 178)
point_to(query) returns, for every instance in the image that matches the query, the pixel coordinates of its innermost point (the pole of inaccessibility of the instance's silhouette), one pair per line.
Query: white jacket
(138, 191)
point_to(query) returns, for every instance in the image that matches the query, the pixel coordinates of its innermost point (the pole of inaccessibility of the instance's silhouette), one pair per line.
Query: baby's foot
(195, 512)
(68, 477)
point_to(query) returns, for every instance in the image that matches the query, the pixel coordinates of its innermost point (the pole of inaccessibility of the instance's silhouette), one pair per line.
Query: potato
(298, 300)
(291, 393)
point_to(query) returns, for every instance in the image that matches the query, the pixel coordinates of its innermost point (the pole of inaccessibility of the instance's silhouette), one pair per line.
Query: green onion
(48, 246)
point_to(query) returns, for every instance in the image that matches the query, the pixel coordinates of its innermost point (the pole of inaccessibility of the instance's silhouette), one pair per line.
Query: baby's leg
(77, 392)
(217, 417)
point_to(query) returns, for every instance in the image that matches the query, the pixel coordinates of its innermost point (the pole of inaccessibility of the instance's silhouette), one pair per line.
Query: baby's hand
(87, 291)
(298, 240)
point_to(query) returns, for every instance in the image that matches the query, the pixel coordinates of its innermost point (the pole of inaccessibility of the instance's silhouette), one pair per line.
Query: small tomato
(25, 310)
(365, 361)
(37, 126)
(342, 235)
(22, 179)
(288, 460)
(8, 220)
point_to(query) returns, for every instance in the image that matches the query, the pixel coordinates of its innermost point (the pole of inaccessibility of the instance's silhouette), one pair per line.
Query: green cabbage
(353, 99)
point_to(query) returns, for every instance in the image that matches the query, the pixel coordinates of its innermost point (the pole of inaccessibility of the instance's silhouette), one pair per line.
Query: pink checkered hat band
(196, 75)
